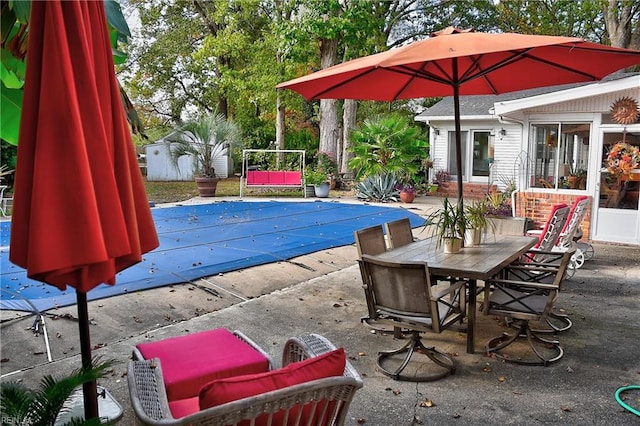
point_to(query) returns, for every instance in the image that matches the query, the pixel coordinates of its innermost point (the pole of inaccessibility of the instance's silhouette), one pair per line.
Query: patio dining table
(471, 264)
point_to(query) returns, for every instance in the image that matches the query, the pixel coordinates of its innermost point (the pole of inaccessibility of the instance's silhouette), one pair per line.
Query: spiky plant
(382, 188)
(20, 405)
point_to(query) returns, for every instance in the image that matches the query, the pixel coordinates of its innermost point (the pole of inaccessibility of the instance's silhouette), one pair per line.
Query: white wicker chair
(333, 394)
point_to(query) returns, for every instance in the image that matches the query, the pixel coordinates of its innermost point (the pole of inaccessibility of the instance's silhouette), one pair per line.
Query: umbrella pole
(90, 389)
(456, 111)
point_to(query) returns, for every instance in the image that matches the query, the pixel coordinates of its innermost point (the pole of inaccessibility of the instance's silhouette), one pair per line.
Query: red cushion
(183, 407)
(292, 178)
(230, 389)
(190, 361)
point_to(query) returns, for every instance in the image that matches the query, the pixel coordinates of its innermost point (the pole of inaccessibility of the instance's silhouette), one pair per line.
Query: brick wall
(537, 206)
(470, 191)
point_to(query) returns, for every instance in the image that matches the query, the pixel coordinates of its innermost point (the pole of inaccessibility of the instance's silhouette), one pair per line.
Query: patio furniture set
(410, 289)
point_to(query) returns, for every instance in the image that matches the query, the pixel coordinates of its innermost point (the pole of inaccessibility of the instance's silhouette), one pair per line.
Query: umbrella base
(109, 410)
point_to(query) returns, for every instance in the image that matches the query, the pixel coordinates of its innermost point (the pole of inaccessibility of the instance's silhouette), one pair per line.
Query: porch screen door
(617, 218)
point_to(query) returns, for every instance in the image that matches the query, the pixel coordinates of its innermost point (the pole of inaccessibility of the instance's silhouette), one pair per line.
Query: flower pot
(207, 186)
(407, 197)
(322, 190)
(452, 245)
(472, 237)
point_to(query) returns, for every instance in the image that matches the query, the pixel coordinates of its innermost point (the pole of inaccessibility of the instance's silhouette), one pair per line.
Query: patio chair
(370, 240)
(315, 386)
(401, 295)
(572, 233)
(552, 228)
(398, 233)
(526, 300)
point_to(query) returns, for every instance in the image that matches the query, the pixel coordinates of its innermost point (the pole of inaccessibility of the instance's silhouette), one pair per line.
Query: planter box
(506, 225)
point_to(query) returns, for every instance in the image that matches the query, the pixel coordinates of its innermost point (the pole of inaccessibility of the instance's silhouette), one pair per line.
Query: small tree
(387, 145)
(206, 139)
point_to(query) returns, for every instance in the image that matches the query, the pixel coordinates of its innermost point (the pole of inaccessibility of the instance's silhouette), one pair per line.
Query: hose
(624, 404)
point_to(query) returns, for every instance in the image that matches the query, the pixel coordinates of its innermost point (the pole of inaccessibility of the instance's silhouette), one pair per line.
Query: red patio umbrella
(455, 62)
(80, 211)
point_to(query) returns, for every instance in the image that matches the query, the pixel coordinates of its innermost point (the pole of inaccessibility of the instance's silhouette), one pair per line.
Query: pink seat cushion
(230, 389)
(183, 407)
(190, 361)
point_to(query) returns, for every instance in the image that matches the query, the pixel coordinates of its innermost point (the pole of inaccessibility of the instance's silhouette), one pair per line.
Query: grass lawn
(175, 191)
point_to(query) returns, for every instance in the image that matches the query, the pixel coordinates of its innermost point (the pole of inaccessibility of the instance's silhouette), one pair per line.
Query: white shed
(160, 166)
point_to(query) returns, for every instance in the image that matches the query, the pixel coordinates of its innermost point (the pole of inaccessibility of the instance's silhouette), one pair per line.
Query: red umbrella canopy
(80, 210)
(474, 62)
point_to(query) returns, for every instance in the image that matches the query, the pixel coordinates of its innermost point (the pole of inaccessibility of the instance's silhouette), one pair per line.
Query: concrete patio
(321, 293)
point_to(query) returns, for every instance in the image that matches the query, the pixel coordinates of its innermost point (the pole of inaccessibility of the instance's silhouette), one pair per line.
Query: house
(538, 140)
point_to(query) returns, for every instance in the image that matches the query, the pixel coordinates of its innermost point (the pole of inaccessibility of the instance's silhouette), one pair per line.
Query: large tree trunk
(620, 26)
(328, 116)
(349, 112)
(618, 22)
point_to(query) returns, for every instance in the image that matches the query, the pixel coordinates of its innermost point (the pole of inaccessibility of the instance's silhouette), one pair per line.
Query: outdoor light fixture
(501, 133)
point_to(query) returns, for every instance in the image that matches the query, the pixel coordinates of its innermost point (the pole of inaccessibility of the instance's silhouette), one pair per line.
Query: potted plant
(206, 140)
(24, 406)
(325, 163)
(407, 192)
(476, 222)
(448, 226)
(318, 179)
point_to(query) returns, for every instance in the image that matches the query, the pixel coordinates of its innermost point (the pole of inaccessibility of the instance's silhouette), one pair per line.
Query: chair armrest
(147, 392)
(452, 289)
(310, 346)
(521, 284)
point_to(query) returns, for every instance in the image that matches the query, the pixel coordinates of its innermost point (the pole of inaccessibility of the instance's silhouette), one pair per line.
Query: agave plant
(22, 406)
(382, 188)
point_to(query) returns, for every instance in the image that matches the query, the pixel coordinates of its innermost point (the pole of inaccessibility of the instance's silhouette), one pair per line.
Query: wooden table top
(479, 262)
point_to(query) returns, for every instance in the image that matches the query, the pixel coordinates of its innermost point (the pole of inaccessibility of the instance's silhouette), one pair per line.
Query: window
(560, 155)
(478, 157)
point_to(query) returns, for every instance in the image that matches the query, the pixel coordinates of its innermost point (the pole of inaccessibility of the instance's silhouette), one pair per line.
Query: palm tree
(22, 406)
(387, 145)
(206, 139)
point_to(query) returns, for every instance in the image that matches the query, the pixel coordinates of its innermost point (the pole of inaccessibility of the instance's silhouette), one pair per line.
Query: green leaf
(22, 9)
(11, 106)
(116, 18)
(9, 78)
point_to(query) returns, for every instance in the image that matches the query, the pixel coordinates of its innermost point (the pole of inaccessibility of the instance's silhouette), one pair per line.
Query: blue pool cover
(202, 240)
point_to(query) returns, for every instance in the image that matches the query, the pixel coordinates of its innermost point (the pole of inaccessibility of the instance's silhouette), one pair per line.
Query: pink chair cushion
(292, 178)
(184, 407)
(230, 389)
(190, 361)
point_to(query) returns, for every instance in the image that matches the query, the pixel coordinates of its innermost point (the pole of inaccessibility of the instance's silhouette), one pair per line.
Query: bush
(380, 188)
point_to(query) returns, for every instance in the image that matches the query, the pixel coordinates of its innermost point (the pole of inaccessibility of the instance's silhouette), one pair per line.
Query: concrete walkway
(321, 293)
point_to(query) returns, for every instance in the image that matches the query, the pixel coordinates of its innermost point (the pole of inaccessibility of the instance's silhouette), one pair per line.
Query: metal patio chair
(521, 294)
(401, 295)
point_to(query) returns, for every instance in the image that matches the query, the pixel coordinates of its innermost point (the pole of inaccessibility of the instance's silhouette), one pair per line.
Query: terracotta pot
(207, 186)
(407, 197)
